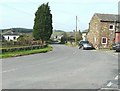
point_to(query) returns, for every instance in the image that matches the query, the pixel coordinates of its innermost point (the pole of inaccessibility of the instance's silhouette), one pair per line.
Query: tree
(42, 28)
(24, 40)
(79, 35)
(64, 38)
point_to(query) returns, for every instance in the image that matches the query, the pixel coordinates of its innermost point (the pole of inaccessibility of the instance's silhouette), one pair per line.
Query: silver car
(85, 45)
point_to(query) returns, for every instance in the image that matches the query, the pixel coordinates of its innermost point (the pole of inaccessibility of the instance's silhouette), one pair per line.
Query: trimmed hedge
(4, 50)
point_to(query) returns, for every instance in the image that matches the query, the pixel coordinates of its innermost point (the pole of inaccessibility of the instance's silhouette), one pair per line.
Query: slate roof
(107, 17)
(10, 32)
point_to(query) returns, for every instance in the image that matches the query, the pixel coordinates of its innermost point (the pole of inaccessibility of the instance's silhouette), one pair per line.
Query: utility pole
(76, 32)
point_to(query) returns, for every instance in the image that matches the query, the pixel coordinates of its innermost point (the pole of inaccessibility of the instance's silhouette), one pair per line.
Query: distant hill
(23, 30)
(19, 30)
(29, 31)
(58, 31)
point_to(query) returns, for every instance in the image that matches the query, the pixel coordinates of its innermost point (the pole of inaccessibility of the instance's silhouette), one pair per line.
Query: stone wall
(93, 34)
(99, 30)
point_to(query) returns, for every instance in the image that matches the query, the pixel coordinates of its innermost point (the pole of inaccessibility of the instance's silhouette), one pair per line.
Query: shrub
(4, 50)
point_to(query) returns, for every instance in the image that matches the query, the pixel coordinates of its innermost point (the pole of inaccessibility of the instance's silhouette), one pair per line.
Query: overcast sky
(20, 13)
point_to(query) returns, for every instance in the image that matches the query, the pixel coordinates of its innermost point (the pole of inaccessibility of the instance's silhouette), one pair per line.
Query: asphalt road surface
(63, 68)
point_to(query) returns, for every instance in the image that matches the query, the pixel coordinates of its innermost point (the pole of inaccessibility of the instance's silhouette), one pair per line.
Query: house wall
(84, 36)
(107, 32)
(93, 35)
(117, 37)
(99, 30)
(11, 37)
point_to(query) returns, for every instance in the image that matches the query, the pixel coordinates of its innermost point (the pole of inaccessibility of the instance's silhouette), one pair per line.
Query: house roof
(11, 32)
(15, 34)
(107, 17)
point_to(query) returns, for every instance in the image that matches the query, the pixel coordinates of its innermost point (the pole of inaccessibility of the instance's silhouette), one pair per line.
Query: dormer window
(111, 27)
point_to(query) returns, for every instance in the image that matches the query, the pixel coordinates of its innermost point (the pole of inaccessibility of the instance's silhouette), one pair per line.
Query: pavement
(113, 84)
(63, 68)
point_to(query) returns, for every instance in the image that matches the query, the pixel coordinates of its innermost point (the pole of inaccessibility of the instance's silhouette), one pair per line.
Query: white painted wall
(11, 37)
(84, 36)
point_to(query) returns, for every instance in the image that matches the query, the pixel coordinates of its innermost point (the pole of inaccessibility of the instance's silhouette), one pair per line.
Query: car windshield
(85, 41)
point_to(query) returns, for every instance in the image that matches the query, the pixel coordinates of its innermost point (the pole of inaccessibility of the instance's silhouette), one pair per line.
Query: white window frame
(95, 39)
(113, 27)
(102, 40)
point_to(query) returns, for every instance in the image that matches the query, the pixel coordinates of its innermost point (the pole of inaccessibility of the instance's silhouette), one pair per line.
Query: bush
(4, 50)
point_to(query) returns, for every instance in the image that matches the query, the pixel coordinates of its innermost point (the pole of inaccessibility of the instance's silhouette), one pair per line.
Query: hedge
(3, 50)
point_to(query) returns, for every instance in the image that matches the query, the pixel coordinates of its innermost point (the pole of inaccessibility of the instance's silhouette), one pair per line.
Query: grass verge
(28, 52)
(73, 44)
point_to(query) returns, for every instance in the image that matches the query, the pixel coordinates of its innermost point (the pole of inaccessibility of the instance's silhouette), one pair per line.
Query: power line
(16, 9)
(63, 25)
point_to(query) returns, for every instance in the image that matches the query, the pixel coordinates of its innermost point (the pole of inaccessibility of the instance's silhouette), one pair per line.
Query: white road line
(115, 54)
(111, 89)
(109, 84)
(8, 70)
(116, 78)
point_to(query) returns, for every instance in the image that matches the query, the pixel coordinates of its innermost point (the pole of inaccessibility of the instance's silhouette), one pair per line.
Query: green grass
(73, 44)
(28, 52)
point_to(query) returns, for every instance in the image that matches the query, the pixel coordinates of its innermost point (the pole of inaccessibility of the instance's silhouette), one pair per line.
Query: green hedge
(4, 50)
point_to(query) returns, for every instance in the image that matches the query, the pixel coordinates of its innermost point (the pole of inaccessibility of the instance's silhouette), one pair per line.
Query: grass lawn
(28, 52)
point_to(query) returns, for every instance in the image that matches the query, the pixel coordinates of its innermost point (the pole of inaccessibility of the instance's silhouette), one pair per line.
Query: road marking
(109, 84)
(8, 70)
(111, 89)
(116, 78)
(115, 54)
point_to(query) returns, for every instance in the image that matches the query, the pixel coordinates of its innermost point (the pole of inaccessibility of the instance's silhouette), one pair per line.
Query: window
(104, 40)
(14, 38)
(95, 39)
(8, 37)
(111, 27)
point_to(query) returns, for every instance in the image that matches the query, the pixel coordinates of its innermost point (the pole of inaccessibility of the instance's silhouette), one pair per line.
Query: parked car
(117, 47)
(114, 46)
(85, 45)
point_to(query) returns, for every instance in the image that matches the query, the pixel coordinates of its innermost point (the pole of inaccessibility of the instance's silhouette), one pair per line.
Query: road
(63, 68)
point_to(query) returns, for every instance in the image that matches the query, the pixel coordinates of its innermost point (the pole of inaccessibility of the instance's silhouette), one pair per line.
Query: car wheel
(82, 48)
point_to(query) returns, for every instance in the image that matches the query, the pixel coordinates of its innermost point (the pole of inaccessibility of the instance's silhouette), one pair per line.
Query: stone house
(102, 30)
